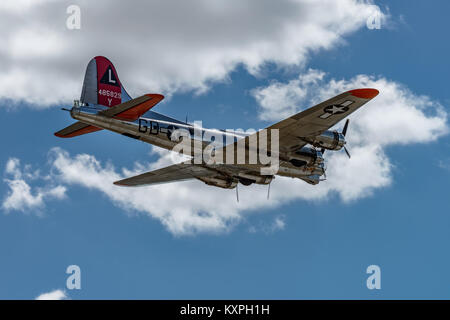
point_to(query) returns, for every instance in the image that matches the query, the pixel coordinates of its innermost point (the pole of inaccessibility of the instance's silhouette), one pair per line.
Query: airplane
(301, 139)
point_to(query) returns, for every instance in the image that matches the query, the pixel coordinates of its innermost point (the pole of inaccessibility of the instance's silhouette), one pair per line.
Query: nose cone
(341, 141)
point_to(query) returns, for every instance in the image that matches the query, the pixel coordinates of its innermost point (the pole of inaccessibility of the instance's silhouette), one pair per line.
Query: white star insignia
(337, 109)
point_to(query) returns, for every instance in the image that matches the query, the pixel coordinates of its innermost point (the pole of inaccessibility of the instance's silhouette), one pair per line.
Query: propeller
(344, 131)
(348, 153)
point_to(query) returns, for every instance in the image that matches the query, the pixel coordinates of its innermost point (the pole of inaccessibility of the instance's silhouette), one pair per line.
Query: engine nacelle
(247, 179)
(305, 156)
(312, 179)
(318, 169)
(330, 140)
(221, 183)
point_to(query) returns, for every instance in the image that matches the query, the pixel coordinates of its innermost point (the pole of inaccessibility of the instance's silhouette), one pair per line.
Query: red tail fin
(102, 85)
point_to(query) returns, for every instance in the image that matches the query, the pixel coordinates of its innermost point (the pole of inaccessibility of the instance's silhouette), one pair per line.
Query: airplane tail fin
(102, 87)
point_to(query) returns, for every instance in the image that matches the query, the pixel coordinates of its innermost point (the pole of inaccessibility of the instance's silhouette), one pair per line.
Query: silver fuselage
(167, 133)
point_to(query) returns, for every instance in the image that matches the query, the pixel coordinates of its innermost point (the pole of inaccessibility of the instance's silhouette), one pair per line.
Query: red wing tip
(59, 135)
(70, 135)
(155, 95)
(366, 93)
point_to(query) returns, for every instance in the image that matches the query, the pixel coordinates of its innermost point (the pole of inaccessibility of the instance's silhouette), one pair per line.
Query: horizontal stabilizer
(130, 110)
(76, 129)
(133, 109)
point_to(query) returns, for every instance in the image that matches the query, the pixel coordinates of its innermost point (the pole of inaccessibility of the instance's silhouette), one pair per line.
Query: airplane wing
(315, 120)
(177, 172)
(130, 110)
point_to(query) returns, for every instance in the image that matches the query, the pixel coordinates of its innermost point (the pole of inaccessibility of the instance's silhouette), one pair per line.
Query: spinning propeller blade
(344, 131)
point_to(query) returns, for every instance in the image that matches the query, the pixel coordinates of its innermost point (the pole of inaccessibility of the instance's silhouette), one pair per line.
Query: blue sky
(291, 247)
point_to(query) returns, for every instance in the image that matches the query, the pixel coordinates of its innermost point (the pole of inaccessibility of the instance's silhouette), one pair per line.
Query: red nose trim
(366, 93)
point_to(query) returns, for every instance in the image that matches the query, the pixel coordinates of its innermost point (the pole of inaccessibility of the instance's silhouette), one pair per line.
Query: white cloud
(53, 295)
(13, 168)
(20, 5)
(280, 100)
(444, 164)
(277, 224)
(395, 116)
(21, 196)
(184, 207)
(192, 207)
(173, 45)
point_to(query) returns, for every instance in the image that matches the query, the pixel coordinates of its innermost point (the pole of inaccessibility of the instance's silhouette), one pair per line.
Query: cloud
(53, 295)
(21, 196)
(191, 207)
(277, 224)
(400, 115)
(168, 50)
(444, 164)
(281, 100)
(183, 208)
